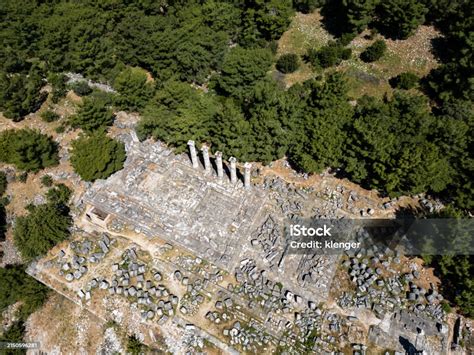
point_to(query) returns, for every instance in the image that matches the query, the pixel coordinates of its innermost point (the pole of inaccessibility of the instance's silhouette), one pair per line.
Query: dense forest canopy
(201, 70)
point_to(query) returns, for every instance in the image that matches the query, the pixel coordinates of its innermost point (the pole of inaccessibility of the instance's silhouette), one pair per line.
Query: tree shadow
(334, 20)
(407, 346)
(439, 47)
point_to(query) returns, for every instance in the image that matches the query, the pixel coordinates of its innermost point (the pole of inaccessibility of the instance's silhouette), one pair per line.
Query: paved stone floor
(161, 195)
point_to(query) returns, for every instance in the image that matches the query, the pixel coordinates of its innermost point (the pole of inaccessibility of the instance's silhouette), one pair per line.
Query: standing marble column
(192, 152)
(220, 168)
(207, 161)
(247, 167)
(233, 170)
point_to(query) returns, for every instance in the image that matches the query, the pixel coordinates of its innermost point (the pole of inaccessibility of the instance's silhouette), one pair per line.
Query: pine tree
(359, 13)
(97, 156)
(93, 114)
(400, 18)
(39, 231)
(27, 149)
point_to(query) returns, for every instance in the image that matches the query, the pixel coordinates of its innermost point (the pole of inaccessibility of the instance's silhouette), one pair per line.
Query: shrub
(46, 180)
(346, 54)
(58, 82)
(49, 116)
(60, 129)
(81, 88)
(23, 177)
(330, 55)
(346, 38)
(288, 63)
(404, 81)
(374, 52)
(134, 346)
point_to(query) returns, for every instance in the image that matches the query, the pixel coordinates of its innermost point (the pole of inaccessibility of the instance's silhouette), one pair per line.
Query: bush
(288, 63)
(374, 52)
(346, 38)
(60, 129)
(23, 177)
(46, 180)
(21, 94)
(346, 54)
(330, 55)
(59, 195)
(81, 88)
(404, 81)
(58, 82)
(135, 346)
(49, 116)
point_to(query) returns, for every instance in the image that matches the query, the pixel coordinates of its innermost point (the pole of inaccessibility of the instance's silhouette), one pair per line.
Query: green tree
(455, 136)
(288, 63)
(392, 147)
(92, 115)
(359, 13)
(58, 82)
(405, 81)
(241, 69)
(27, 149)
(329, 55)
(133, 88)
(46, 180)
(400, 18)
(178, 113)
(455, 271)
(135, 346)
(97, 156)
(374, 52)
(321, 133)
(17, 286)
(271, 115)
(272, 17)
(81, 88)
(59, 195)
(14, 334)
(307, 6)
(20, 94)
(231, 131)
(44, 227)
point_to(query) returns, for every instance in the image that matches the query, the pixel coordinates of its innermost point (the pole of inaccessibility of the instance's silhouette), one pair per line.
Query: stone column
(192, 151)
(220, 169)
(247, 167)
(207, 161)
(233, 170)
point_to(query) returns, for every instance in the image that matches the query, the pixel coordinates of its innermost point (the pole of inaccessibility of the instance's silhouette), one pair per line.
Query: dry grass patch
(413, 54)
